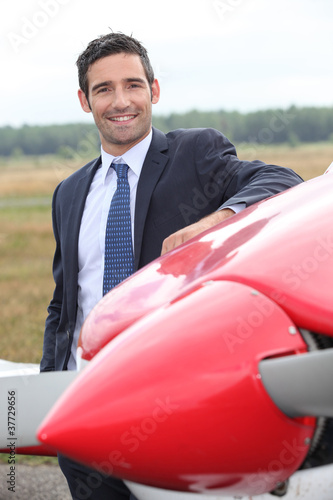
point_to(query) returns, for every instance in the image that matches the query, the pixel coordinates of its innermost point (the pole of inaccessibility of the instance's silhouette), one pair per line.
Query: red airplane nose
(177, 402)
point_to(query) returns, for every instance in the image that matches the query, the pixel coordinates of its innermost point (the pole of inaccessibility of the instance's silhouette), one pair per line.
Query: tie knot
(121, 169)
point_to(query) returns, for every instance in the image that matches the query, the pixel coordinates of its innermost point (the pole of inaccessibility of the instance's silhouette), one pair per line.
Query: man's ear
(84, 101)
(155, 92)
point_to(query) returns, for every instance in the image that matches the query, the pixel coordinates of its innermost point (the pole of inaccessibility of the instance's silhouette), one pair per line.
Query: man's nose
(120, 99)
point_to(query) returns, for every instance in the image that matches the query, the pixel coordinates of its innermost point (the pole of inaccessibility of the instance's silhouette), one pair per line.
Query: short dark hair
(106, 45)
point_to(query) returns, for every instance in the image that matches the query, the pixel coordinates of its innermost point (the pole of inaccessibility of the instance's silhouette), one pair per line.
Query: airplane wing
(26, 397)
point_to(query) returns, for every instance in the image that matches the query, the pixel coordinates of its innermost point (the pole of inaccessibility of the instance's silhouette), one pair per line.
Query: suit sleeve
(55, 306)
(241, 181)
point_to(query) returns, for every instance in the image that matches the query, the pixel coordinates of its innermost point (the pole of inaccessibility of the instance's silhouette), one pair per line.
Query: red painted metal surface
(282, 246)
(177, 401)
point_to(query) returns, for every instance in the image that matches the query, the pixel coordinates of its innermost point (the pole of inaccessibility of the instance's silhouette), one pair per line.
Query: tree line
(293, 125)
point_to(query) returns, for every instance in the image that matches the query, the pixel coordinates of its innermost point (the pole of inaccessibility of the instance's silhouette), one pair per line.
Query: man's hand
(189, 232)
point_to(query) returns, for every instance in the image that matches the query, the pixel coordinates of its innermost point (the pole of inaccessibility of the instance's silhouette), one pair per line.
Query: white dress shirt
(92, 230)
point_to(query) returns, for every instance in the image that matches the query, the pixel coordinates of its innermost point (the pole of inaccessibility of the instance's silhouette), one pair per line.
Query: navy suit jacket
(186, 175)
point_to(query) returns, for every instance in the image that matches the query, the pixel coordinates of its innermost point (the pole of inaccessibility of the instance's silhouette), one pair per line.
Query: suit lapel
(79, 199)
(152, 169)
(75, 212)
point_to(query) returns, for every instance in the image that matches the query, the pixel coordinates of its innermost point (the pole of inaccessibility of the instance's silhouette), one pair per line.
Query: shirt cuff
(236, 208)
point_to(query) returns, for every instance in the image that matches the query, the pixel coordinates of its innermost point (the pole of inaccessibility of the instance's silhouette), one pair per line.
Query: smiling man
(147, 193)
(120, 97)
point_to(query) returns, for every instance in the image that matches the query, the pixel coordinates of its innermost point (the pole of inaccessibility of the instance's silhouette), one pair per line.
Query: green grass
(26, 248)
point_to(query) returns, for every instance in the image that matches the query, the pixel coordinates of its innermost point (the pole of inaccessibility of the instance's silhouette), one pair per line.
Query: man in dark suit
(181, 184)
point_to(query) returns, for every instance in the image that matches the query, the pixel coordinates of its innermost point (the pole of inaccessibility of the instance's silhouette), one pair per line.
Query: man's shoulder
(191, 133)
(196, 139)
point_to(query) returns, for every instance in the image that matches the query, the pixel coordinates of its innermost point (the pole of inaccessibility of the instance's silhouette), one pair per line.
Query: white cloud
(208, 54)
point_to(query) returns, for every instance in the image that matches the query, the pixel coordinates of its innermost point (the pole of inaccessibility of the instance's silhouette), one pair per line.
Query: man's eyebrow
(107, 83)
(102, 84)
(132, 80)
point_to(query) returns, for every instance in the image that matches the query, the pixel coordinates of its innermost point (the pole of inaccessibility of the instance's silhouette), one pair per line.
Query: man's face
(120, 100)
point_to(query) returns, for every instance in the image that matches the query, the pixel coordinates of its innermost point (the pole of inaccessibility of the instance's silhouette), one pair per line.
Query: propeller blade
(301, 385)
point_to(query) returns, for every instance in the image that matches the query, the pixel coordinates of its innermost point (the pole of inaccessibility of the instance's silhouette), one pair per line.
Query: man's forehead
(116, 67)
(117, 62)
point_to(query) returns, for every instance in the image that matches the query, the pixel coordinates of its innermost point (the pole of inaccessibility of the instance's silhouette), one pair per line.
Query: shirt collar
(134, 157)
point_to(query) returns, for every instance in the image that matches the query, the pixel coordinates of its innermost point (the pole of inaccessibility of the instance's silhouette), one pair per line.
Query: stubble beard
(125, 134)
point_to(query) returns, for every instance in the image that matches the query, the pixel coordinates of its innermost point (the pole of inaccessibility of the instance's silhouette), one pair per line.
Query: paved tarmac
(34, 482)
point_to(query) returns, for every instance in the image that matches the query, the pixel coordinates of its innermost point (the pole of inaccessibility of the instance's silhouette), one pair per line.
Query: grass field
(26, 249)
(26, 239)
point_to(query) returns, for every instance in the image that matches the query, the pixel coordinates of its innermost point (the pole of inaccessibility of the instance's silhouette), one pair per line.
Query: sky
(209, 55)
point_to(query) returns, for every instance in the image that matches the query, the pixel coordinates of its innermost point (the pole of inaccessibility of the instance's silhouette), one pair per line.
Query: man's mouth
(122, 118)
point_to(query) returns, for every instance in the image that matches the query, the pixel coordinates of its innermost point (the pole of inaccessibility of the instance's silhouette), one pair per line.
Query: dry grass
(27, 246)
(308, 160)
(26, 252)
(37, 176)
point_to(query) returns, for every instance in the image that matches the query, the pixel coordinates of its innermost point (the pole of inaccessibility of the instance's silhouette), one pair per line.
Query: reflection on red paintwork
(282, 247)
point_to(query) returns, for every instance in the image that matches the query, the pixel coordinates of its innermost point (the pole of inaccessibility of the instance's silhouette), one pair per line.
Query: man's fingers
(189, 232)
(176, 239)
(171, 242)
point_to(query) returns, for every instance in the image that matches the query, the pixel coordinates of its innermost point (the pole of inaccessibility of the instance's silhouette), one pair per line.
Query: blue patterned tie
(119, 260)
